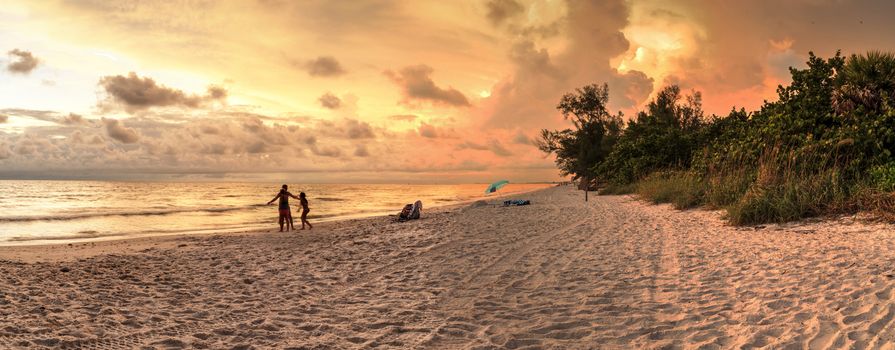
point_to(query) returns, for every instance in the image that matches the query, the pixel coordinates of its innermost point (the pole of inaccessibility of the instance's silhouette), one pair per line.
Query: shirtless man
(285, 212)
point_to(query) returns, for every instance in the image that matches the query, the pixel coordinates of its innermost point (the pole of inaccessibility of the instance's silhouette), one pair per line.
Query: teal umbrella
(496, 186)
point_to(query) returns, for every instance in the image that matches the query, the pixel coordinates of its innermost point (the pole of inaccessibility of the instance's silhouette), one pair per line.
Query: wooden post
(585, 195)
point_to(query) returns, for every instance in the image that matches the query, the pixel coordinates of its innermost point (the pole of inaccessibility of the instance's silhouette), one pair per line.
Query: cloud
(473, 146)
(497, 148)
(214, 142)
(347, 128)
(428, 131)
(332, 20)
(323, 66)
(259, 147)
(116, 130)
(494, 146)
(592, 33)
(23, 62)
(417, 84)
(326, 151)
(28, 147)
(210, 130)
(328, 100)
(403, 117)
(359, 130)
(73, 118)
(501, 10)
(135, 93)
(630, 88)
(3, 119)
(521, 139)
(737, 53)
(217, 93)
(361, 151)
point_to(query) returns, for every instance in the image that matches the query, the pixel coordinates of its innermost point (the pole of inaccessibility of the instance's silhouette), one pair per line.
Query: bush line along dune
(825, 146)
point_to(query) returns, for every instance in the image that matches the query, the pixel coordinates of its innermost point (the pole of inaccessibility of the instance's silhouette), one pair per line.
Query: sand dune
(559, 274)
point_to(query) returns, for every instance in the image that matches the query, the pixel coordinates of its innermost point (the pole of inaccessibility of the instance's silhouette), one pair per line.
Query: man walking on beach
(285, 212)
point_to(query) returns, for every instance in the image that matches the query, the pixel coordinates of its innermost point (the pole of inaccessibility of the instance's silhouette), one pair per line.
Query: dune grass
(682, 189)
(784, 187)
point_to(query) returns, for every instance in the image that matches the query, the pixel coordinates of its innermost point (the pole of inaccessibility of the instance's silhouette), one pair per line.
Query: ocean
(37, 212)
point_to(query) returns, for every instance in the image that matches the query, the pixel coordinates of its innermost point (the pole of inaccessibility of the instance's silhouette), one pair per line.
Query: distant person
(304, 210)
(285, 212)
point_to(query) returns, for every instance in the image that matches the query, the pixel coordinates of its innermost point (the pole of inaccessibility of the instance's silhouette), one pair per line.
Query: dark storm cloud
(23, 62)
(324, 66)
(116, 130)
(330, 101)
(500, 10)
(417, 84)
(137, 93)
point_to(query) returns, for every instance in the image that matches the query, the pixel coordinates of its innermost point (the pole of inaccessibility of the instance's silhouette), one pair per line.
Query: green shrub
(618, 189)
(827, 145)
(663, 136)
(883, 177)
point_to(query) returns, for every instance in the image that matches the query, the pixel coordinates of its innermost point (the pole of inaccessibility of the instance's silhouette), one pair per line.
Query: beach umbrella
(496, 186)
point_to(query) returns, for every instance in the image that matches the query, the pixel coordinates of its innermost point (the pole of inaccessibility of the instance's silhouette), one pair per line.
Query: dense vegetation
(827, 145)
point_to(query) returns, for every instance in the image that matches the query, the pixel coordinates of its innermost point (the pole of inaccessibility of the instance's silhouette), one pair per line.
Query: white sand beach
(559, 274)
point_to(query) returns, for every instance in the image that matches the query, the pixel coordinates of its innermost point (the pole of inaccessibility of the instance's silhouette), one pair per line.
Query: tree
(865, 81)
(663, 136)
(595, 132)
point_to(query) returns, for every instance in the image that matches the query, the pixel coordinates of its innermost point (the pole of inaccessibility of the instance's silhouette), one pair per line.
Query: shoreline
(32, 251)
(59, 240)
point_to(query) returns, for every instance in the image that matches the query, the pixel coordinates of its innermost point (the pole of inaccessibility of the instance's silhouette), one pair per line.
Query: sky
(373, 91)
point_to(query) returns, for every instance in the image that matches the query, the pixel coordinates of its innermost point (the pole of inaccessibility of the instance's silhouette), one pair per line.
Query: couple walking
(286, 213)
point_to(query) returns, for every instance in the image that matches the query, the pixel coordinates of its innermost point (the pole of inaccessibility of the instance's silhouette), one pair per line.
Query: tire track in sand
(455, 304)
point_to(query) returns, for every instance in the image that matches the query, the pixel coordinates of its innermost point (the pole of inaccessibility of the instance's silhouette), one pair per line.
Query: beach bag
(405, 213)
(516, 202)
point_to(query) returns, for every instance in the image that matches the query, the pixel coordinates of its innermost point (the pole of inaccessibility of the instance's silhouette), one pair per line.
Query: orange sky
(371, 90)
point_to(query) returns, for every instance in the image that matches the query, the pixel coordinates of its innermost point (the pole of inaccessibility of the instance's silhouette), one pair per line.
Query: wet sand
(559, 274)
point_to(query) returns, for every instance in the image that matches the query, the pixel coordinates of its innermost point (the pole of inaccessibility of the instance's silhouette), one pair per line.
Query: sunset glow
(372, 90)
